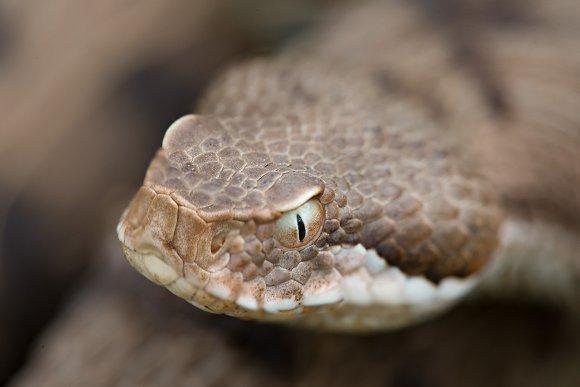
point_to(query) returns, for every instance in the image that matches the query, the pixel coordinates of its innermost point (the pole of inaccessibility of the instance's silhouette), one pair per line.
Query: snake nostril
(217, 242)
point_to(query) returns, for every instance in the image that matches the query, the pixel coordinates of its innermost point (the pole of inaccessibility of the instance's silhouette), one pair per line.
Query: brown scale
(382, 216)
(273, 134)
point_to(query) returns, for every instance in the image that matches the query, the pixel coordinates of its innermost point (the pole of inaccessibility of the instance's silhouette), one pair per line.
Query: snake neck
(537, 261)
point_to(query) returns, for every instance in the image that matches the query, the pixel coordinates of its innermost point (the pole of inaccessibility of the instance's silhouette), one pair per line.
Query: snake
(369, 178)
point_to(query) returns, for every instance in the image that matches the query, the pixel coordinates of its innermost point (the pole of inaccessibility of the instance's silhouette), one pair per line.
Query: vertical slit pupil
(301, 228)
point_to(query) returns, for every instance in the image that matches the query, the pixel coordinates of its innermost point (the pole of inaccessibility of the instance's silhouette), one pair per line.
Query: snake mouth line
(373, 286)
(346, 286)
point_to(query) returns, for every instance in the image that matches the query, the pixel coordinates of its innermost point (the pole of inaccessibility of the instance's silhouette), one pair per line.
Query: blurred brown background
(86, 92)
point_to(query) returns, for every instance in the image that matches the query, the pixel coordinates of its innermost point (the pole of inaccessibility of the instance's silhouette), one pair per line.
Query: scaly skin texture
(365, 127)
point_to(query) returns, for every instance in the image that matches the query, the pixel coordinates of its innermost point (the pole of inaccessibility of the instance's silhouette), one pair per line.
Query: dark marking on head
(465, 25)
(469, 53)
(390, 84)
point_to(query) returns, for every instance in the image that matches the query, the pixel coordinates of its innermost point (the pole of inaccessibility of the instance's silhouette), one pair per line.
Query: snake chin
(366, 297)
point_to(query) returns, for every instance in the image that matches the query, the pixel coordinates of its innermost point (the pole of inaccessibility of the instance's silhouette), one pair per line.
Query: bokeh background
(86, 92)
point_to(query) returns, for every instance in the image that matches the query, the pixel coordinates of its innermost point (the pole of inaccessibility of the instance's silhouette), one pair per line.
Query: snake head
(266, 220)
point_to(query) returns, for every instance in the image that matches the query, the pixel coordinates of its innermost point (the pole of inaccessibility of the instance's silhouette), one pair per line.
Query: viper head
(264, 220)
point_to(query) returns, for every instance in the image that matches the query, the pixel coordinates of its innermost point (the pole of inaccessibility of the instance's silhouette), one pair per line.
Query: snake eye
(299, 227)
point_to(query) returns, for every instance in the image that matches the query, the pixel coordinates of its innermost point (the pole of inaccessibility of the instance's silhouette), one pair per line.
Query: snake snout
(172, 246)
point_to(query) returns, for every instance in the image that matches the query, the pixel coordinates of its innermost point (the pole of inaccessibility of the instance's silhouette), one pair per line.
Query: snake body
(337, 191)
